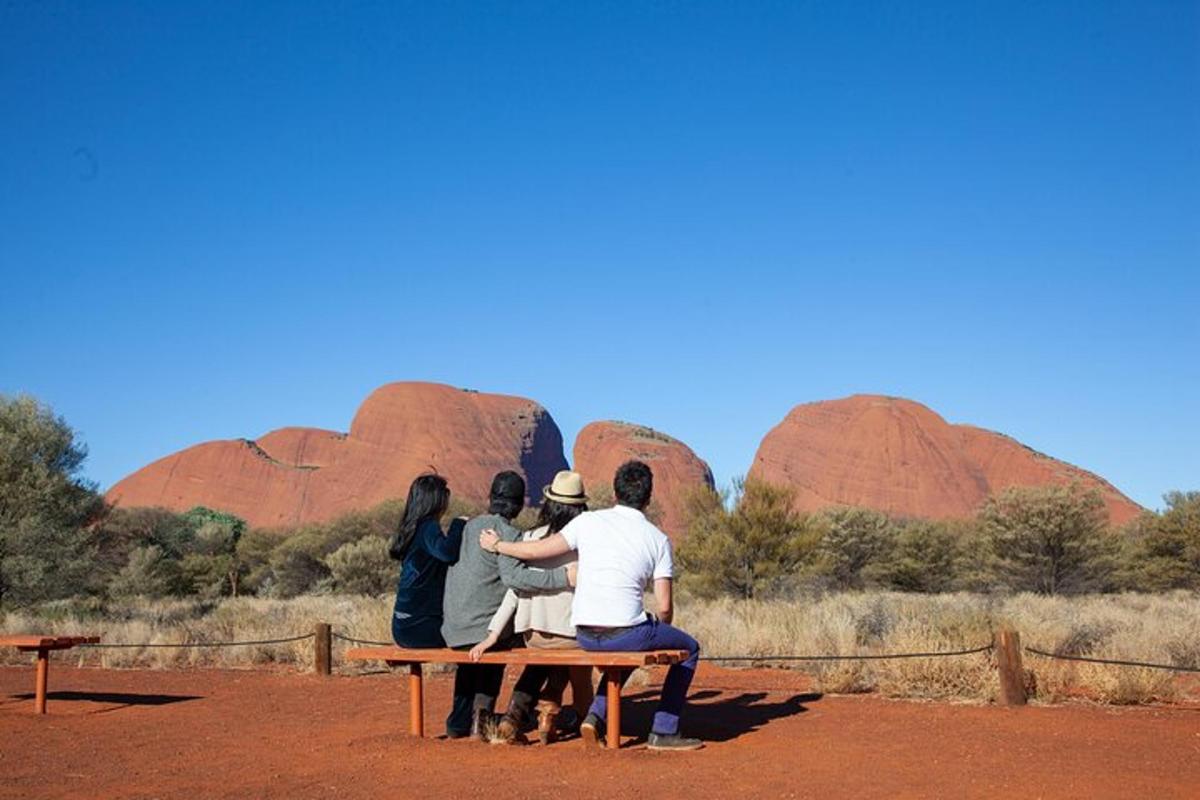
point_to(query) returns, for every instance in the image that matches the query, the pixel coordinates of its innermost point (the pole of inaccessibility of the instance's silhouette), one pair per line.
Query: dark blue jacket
(423, 575)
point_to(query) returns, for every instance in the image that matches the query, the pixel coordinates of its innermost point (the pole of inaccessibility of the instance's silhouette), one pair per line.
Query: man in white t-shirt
(620, 554)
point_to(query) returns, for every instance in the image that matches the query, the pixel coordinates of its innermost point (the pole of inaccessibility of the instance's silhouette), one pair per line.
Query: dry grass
(1157, 628)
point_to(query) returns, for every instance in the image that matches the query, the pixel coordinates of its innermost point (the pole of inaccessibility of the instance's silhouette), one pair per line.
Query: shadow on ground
(118, 700)
(717, 721)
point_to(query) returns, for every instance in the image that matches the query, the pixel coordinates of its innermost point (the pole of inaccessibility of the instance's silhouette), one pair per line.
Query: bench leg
(43, 678)
(614, 708)
(416, 701)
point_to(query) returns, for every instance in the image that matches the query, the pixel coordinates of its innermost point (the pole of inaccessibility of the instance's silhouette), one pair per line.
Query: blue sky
(216, 219)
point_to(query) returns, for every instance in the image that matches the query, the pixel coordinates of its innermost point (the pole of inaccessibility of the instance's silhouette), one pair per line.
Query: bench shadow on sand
(118, 700)
(719, 721)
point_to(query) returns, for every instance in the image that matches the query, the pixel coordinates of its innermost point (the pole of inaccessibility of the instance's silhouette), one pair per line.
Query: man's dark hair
(633, 484)
(507, 495)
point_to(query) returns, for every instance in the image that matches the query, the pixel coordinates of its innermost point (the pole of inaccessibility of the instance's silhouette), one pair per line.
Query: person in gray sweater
(475, 587)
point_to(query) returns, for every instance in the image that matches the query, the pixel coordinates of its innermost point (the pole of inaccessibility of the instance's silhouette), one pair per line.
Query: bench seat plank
(529, 655)
(36, 642)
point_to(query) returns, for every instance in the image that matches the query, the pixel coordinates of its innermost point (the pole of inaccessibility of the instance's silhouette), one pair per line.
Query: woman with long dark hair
(426, 552)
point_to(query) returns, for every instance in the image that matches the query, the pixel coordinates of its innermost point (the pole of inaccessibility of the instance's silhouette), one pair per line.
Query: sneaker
(664, 741)
(592, 731)
(568, 721)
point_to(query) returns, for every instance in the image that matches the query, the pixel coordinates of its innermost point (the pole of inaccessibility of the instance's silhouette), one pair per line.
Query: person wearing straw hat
(543, 620)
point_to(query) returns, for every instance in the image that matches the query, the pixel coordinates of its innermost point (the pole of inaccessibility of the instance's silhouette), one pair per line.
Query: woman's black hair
(555, 515)
(428, 498)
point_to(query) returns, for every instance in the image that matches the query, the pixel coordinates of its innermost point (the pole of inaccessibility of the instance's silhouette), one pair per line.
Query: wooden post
(1012, 673)
(43, 678)
(615, 674)
(323, 649)
(416, 701)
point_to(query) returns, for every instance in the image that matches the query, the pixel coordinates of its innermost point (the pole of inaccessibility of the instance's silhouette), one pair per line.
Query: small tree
(45, 505)
(746, 551)
(211, 564)
(854, 539)
(1048, 539)
(1166, 553)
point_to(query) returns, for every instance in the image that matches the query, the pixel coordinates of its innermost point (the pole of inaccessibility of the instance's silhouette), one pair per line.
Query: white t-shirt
(620, 554)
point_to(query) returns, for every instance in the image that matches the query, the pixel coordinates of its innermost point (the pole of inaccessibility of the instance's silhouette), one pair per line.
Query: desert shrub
(45, 506)
(295, 570)
(1049, 539)
(1165, 548)
(362, 567)
(124, 530)
(853, 540)
(747, 551)
(148, 573)
(925, 557)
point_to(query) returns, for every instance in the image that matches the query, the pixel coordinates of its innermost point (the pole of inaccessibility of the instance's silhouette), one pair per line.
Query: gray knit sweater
(476, 584)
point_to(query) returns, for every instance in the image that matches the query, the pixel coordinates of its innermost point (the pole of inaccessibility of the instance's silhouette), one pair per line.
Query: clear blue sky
(216, 219)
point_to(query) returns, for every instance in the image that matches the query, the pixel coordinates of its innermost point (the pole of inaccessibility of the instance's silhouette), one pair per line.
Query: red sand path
(264, 734)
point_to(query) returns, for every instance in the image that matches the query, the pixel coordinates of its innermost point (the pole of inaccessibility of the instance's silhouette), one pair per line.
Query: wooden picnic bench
(42, 645)
(616, 665)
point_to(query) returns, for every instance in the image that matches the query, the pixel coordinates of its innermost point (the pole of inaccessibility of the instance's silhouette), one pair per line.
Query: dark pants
(418, 632)
(650, 635)
(536, 681)
(475, 686)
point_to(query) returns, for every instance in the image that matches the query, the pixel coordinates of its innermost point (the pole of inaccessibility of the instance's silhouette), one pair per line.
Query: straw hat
(567, 488)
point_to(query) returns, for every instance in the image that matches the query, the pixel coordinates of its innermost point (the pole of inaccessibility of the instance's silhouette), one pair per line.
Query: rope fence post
(323, 649)
(1012, 671)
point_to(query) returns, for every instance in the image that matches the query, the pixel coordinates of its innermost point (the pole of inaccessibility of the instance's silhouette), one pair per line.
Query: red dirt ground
(264, 734)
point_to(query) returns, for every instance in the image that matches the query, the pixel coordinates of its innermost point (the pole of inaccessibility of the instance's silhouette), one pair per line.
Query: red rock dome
(601, 447)
(899, 456)
(296, 475)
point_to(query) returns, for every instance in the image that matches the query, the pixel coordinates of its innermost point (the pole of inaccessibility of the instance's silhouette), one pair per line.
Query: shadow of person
(718, 721)
(118, 700)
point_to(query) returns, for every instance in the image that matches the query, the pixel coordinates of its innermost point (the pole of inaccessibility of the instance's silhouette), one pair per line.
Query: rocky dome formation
(900, 457)
(601, 447)
(296, 475)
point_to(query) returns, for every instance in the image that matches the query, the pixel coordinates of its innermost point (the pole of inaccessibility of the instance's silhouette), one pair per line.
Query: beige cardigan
(548, 612)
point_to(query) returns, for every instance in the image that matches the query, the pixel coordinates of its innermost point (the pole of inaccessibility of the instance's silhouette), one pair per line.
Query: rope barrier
(1112, 661)
(201, 644)
(863, 657)
(352, 640)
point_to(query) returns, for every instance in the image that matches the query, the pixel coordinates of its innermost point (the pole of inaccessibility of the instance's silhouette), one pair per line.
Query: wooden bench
(42, 645)
(615, 665)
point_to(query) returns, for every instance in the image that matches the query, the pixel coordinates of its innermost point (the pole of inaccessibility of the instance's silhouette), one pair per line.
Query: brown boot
(547, 711)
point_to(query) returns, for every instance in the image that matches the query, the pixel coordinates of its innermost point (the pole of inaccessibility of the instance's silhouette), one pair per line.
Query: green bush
(1163, 550)
(363, 567)
(925, 557)
(1049, 539)
(855, 544)
(748, 551)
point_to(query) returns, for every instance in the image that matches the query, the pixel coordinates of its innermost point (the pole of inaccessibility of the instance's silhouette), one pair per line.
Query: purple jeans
(650, 635)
